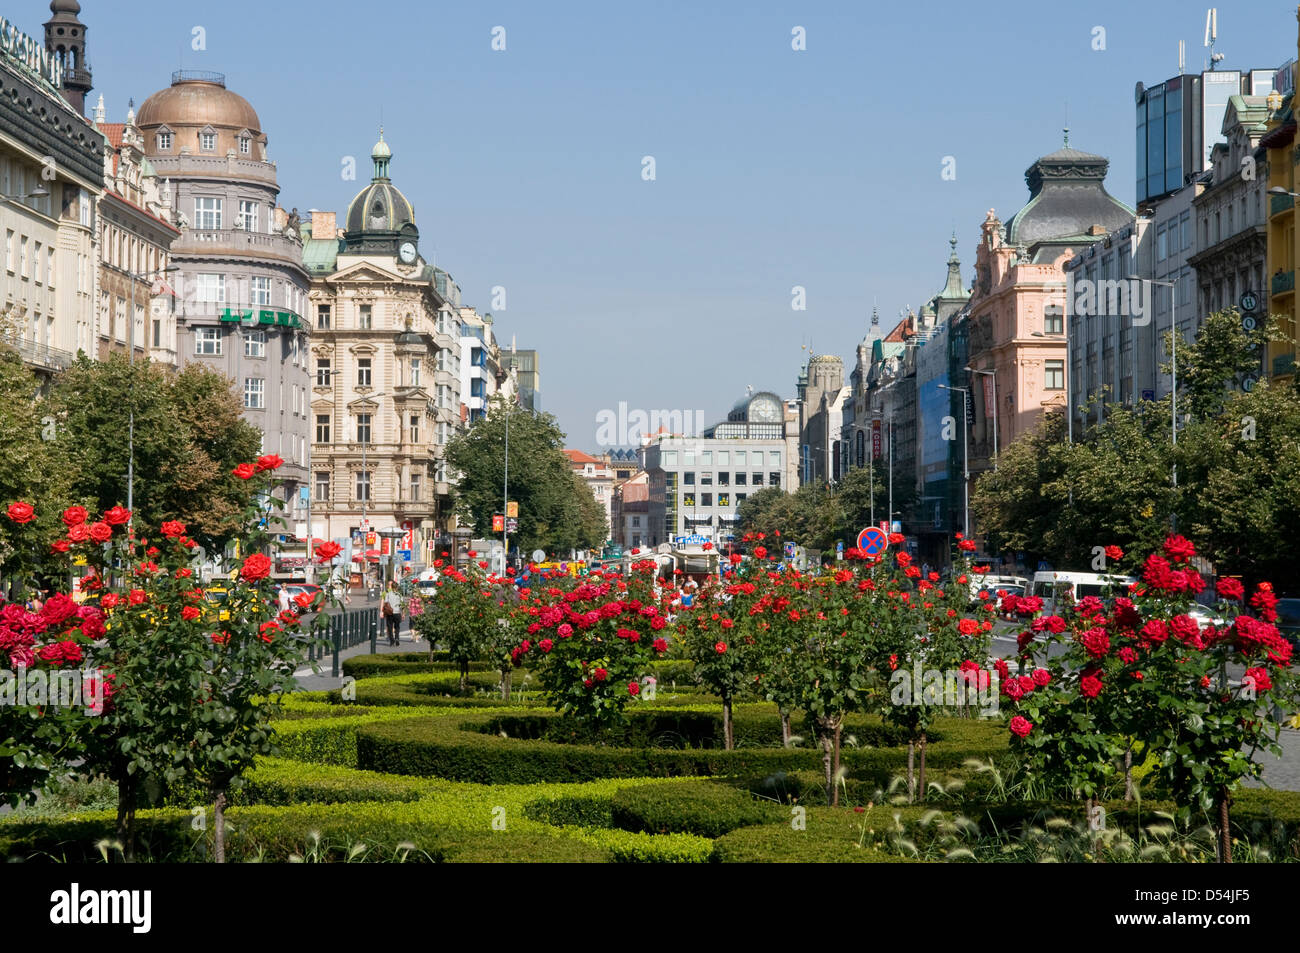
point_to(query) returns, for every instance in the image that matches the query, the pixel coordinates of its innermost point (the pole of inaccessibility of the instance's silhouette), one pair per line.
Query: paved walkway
(324, 681)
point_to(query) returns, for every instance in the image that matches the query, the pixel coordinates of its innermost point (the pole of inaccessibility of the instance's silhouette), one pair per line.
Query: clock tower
(380, 219)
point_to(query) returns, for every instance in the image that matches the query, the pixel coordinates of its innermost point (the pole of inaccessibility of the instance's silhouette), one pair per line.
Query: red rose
(220, 639)
(1179, 549)
(1230, 589)
(327, 551)
(968, 626)
(74, 516)
(184, 573)
(190, 613)
(109, 600)
(660, 645)
(117, 516)
(257, 566)
(244, 471)
(1258, 678)
(633, 689)
(304, 599)
(1097, 642)
(78, 533)
(1114, 552)
(1090, 686)
(967, 545)
(545, 645)
(760, 552)
(136, 597)
(601, 674)
(720, 648)
(267, 631)
(587, 683)
(1041, 677)
(101, 532)
(1020, 726)
(60, 545)
(269, 461)
(21, 512)
(173, 528)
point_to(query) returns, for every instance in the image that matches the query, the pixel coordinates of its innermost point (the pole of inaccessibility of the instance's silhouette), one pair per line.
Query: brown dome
(198, 99)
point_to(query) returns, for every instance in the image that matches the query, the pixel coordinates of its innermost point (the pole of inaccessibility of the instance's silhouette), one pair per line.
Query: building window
(415, 428)
(322, 428)
(774, 458)
(254, 344)
(254, 393)
(363, 428)
(670, 458)
(774, 479)
(724, 478)
(207, 341)
(476, 357)
(22, 256)
(478, 387)
(259, 291)
(706, 499)
(706, 478)
(688, 499)
(688, 478)
(208, 141)
(164, 142)
(363, 487)
(322, 493)
(363, 372)
(322, 372)
(740, 479)
(724, 499)
(210, 289)
(248, 216)
(1053, 320)
(1054, 372)
(245, 145)
(636, 522)
(363, 318)
(416, 487)
(207, 213)
(322, 317)
(157, 332)
(741, 497)
(757, 477)
(415, 372)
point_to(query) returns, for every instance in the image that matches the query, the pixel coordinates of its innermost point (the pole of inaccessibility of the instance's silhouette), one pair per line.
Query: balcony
(225, 167)
(1279, 203)
(1283, 282)
(237, 241)
(41, 356)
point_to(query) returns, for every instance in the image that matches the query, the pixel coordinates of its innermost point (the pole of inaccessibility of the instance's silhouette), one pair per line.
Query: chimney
(323, 226)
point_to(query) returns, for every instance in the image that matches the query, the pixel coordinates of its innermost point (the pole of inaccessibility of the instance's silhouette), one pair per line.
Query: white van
(1061, 589)
(1014, 585)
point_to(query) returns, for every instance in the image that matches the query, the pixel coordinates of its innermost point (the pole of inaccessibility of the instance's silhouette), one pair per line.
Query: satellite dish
(539, 555)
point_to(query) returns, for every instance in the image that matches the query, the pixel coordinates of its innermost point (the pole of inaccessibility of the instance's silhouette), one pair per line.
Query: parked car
(316, 592)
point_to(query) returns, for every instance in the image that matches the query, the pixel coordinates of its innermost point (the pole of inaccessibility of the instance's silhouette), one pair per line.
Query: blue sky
(774, 168)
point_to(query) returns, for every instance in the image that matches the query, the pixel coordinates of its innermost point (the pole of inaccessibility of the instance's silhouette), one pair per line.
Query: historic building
(135, 237)
(822, 397)
(241, 288)
(51, 176)
(386, 363)
(595, 472)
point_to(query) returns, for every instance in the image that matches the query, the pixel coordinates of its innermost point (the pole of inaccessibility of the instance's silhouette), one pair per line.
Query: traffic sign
(1248, 322)
(1249, 302)
(873, 541)
(789, 550)
(539, 555)
(405, 555)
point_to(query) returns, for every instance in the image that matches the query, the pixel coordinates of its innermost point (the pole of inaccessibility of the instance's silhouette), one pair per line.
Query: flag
(160, 286)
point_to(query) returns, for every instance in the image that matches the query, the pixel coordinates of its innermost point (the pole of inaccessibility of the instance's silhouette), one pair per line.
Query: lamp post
(993, 374)
(965, 453)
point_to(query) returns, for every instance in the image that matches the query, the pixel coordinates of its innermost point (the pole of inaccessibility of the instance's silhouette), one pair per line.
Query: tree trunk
(920, 745)
(835, 801)
(464, 676)
(1225, 835)
(126, 818)
(219, 827)
(728, 729)
(785, 729)
(505, 685)
(825, 736)
(911, 771)
(1128, 773)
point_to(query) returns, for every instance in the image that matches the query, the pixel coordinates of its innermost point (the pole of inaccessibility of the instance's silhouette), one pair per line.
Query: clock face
(407, 252)
(764, 410)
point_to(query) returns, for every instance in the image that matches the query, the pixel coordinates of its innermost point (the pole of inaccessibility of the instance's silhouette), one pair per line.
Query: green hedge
(825, 835)
(403, 663)
(455, 747)
(692, 807)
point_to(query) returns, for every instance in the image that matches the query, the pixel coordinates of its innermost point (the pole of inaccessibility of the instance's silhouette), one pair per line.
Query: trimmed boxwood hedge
(455, 747)
(403, 663)
(691, 807)
(829, 836)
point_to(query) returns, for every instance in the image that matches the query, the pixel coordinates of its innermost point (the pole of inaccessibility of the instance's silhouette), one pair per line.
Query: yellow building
(1283, 158)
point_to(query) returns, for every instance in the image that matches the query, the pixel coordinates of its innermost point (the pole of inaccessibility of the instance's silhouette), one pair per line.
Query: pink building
(1014, 325)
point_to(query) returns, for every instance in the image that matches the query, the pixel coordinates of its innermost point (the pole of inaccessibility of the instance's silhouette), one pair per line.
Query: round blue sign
(873, 541)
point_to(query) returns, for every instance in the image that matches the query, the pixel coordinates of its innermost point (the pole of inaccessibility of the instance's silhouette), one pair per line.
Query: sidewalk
(309, 682)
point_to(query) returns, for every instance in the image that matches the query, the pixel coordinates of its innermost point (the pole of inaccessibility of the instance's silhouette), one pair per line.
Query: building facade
(386, 369)
(822, 397)
(482, 372)
(596, 474)
(241, 288)
(51, 178)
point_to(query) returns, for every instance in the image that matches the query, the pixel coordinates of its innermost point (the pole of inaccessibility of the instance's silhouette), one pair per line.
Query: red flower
(74, 516)
(545, 645)
(720, 647)
(1128, 655)
(184, 572)
(1114, 552)
(1179, 549)
(173, 528)
(1090, 686)
(327, 551)
(136, 597)
(117, 516)
(587, 682)
(257, 566)
(707, 546)
(267, 630)
(220, 639)
(1230, 589)
(760, 552)
(1096, 641)
(269, 461)
(968, 626)
(190, 613)
(304, 600)
(967, 545)
(1020, 726)
(633, 689)
(109, 600)
(21, 512)
(101, 532)
(660, 645)
(60, 545)
(1257, 678)
(78, 533)
(244, 471)
(601, 674)
(1041, 677)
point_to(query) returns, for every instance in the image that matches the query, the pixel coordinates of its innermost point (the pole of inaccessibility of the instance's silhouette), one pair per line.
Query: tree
(554, 513)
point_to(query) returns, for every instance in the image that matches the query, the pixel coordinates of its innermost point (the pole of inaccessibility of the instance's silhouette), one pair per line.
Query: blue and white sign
(695, 540)
(873, 541)
(789, 550)
(404, 555)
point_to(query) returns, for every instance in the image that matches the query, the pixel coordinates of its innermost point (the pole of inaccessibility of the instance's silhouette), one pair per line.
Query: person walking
(285, 602)
(392, 612)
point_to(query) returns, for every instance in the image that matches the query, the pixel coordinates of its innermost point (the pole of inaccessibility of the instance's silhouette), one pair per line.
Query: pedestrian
(392, 612)
(284, 598)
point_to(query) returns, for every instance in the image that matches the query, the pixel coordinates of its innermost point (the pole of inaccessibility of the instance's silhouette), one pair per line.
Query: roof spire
(1067, 137)
(380, 154)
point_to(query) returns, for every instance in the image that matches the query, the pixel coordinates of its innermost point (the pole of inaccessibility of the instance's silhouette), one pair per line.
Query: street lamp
(965, 452)
(993, 374)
